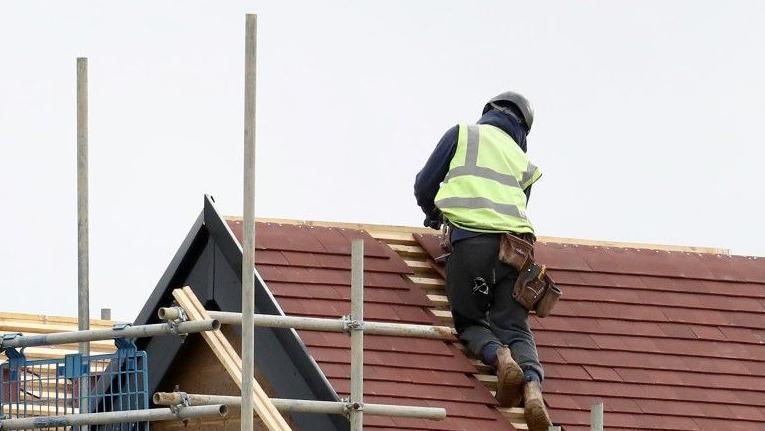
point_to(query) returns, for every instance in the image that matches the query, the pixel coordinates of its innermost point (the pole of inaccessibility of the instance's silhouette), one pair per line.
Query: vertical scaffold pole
(596, 416)
(248, 249)
(82, 199)
(83, 295)
(357, 335)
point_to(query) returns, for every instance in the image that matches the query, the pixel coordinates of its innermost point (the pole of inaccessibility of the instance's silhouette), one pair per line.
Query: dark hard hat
(500, 102)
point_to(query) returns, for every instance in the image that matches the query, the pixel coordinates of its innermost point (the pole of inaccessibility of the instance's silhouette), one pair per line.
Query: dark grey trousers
(480, 291)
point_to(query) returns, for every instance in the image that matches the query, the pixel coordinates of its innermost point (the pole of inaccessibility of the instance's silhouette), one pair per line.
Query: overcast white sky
(648, 128)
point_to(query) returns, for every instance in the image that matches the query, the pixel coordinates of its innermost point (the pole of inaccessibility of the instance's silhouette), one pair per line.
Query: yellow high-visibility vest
(483, 190)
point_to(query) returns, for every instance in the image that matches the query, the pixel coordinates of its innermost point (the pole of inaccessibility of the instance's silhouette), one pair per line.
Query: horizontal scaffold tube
(337, 325)
(106, 418)
(138, 331)
(302, 406)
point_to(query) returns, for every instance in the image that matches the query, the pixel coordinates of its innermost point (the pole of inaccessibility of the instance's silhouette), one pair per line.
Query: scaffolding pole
(596, 416)
(83, 260)
(353, 324)
(248, 249)
(356, 325)
(106, 418)
(302, 406)
(139, 331)
(334, 325)
(83, 312)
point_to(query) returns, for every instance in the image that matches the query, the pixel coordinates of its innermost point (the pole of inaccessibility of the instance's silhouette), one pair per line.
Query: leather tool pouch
(545, 305)
(533, 289)
(515, 252)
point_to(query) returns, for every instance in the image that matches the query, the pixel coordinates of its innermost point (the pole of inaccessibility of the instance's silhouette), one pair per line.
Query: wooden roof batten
(402, 241)
(598, 370)
(430, 281)
(740, 271)
(392, 232)
(38, 324)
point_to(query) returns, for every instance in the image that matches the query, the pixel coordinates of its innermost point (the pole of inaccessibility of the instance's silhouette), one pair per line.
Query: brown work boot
(509, 379)
(534, 407)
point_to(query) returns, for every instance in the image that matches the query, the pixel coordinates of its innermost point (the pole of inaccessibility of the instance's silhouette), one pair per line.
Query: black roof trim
(196, 235)
(211, 257)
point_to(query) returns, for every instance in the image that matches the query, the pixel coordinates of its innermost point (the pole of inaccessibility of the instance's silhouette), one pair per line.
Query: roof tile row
(307, 269)
(669, 340)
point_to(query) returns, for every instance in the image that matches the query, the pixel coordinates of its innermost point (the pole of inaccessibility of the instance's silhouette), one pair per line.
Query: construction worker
(477, 181)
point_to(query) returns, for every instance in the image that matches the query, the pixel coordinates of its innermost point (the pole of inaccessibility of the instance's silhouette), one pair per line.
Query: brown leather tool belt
(534, 289)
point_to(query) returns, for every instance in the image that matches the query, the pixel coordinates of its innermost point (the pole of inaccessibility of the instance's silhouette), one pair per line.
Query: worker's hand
(432, 223)
(433, 219)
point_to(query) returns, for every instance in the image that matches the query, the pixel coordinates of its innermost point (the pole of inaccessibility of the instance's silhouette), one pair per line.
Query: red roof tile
(669, 340)
(308, 271)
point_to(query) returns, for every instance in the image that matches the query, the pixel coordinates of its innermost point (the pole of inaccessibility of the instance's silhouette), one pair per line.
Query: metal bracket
(11, 352)
(125, 344)
(185, 402)
(8, 337)
(350, 325)
(174, 323)
(122, 343)
(14, 355)
(349, 407)
(75, 366)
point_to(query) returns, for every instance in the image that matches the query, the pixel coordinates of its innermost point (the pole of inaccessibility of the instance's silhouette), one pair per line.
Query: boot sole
(536, 417)
(512, 380)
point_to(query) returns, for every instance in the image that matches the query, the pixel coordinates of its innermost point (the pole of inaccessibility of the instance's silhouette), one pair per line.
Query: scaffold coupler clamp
(350, 325)
(121, 326)
(11, 352)
(176, 408)
(348, 406)
(8, 337)
(123, 344)
(173, 323)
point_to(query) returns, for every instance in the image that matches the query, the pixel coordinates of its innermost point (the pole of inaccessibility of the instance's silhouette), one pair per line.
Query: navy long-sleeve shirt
(429, 179)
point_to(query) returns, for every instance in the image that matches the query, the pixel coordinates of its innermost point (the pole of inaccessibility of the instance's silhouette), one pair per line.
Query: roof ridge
(635, 245)
(545, 239)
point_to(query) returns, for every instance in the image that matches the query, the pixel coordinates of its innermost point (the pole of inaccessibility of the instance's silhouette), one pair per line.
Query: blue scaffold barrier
(75, 384)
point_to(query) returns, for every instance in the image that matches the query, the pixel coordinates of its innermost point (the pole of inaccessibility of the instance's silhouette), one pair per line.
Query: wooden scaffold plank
(230, 360)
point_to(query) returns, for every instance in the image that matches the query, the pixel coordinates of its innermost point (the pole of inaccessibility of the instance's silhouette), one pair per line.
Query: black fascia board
(210, 261)
(161, 296)
(274, 347)
(162, 350)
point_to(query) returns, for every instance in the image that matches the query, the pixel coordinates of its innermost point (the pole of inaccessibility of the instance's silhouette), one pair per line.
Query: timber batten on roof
(307, 268)
(670, 337)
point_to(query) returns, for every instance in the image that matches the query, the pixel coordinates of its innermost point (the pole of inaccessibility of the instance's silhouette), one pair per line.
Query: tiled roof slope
(668, 340)
(308, 271)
